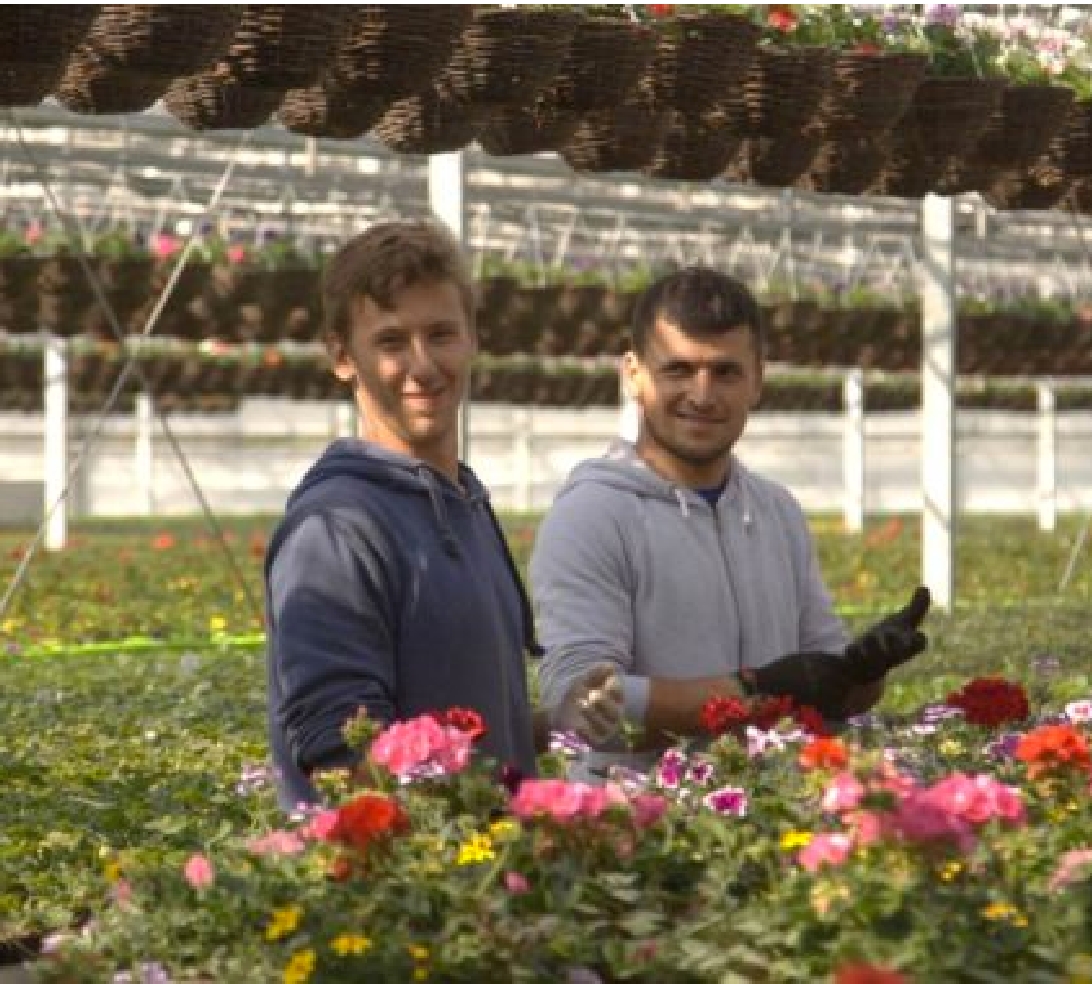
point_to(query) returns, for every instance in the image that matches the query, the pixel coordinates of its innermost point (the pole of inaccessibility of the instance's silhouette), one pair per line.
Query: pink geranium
(832, 849)
(422, 746)
(277, 842)
(977, 799)
(198, 871)
(843, 793)
(564, 801)
(1071, 866)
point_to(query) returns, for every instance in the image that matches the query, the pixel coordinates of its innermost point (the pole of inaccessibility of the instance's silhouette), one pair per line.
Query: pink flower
(236, 254)
(32, 233)
(648, 808)
(727, 801)
(669, 773)
(321, 826)
(564, 801)
(1079, 711)
(422, 746)
(516, 883)
(198, 871)
(843, 793)
(918, 820)
(977, 799)
(164, 245)
(823, 849)
(1071, 866)
(277, 842)
(122, 893)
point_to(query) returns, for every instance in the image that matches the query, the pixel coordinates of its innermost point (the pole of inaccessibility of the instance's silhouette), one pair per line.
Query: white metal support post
(144, 452)
(55, 442)
(853, 450)
(938, 385)
(1048, 467)
(447, 200)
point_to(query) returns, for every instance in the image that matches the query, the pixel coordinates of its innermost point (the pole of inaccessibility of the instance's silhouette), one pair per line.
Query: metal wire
(131, 366)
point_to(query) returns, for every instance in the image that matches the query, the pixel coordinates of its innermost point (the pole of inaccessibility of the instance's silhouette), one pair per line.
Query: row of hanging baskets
(693, 96)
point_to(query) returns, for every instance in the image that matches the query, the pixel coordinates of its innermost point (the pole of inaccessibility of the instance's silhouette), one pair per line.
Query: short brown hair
(387, 258)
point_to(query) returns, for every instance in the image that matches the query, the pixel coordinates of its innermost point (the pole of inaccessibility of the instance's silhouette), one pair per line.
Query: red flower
(767, 712)
(824, 753)
(367, 819)
(465, 719)
(782, 18)
(990, 701)
(811, 721)
(164, 541)
(868, 974)
(1052, 749)
(720, 715)
(661, 9)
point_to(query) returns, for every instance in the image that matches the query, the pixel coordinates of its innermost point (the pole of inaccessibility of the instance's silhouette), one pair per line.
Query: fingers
(918, 608)
(601, 711)
(600, 675)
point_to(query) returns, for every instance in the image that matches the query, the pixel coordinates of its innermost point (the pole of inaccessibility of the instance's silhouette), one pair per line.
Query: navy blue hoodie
(389, 587)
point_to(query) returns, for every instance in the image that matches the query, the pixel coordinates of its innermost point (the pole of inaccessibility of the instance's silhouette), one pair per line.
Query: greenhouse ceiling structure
(607, 137)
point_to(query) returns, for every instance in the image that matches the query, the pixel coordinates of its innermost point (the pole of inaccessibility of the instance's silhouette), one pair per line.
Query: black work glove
(889, 643)
(817, 680)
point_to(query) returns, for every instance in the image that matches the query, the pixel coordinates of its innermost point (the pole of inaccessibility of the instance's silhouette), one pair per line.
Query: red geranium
(721, 715)
(868, 974)
(990, 701)
(661, 9)
(465, 719)
(1052, 749)
(824, 753)
(782, 18)
(769, 710)
(811, 721)
(368, 818)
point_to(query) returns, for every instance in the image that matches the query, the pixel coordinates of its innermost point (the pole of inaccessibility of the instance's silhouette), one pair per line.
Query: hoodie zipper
(729, 575)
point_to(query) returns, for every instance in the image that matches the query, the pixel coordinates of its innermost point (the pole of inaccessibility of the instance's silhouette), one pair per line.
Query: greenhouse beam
(938, 388)
(55, 442)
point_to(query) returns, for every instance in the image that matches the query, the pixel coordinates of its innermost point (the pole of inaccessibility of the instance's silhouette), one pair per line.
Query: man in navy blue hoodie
(389, 585)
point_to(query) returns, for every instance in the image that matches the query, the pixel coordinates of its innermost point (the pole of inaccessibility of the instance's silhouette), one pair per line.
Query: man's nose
(421, 356)
(702, 387)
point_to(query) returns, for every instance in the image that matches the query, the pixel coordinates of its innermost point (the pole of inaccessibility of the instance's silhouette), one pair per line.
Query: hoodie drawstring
(439, 510)
(685, 509)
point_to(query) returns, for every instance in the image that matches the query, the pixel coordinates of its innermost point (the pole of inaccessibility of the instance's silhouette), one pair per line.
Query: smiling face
(410, 368)
(695, 393)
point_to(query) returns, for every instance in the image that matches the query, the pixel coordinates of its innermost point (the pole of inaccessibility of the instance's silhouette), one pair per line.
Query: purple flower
(569, 744)
(727, 801)
(670, 771)
(253, 779)
(943, 14)
(701, 772)
(934, 713)
(1004, 746)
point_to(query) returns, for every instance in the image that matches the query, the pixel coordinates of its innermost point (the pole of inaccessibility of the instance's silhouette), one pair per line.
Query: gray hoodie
(628, 567)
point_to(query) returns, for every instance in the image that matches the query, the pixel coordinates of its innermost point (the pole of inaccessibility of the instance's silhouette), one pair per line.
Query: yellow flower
(476, 850)
(792, 839)
(350, 944)
(283, 922)
(504, 830)
(417, 951)
(420, 973)
(951, 871)
(998, 911)
(300, 967)
(1079, 969)
(112, 871)
(217, 623)
(951, 747)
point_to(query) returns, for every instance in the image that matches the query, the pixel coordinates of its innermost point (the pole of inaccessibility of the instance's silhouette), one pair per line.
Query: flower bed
(950, 845)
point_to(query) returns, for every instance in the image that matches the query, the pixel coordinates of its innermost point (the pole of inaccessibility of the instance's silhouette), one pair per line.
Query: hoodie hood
(360, 461)
(621, 468)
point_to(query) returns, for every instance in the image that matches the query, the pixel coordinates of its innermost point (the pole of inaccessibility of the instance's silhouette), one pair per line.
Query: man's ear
(341, 365)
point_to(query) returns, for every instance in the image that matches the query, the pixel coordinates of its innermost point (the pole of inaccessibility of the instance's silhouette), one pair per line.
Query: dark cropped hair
(387, 258)
(700, 302)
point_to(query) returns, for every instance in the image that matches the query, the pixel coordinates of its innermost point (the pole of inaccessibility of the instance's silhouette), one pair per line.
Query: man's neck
(689, 476)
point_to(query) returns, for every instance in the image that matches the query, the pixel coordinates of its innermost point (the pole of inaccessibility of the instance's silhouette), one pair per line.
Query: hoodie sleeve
(332, 627)
(821, 630)
(583, 597)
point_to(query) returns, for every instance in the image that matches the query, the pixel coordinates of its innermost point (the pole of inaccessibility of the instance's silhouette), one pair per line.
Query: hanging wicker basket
(214, 100)
(390, 51)
(698, 58)
(1071, 150)
(870, 92)
(1028, 118)
(784, 90)
(285, 46)
(93, 84)
(773, 163)
(1040, 189)
(695, 147)
(605, 58)
(328, 111)
(947, 116)
(507, 55)
(621, 139)
(535, 129)
(848, 166)
(431, 122)
(35, 44)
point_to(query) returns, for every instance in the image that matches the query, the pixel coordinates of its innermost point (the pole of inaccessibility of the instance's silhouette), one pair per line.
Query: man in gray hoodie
(389, 585)
(693, 575)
